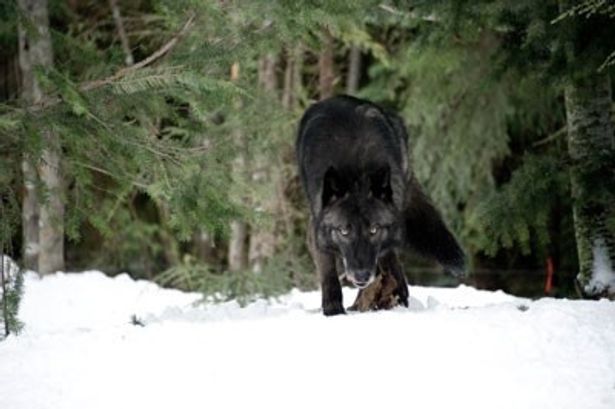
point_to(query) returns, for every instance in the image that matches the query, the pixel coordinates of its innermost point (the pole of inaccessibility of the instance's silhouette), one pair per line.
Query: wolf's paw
(333, 308)
(401, 292)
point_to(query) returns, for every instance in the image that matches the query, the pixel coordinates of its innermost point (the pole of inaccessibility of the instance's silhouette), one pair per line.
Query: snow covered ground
(453, 348)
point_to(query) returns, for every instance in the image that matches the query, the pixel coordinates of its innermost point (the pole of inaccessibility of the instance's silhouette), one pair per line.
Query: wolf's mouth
(361, 284)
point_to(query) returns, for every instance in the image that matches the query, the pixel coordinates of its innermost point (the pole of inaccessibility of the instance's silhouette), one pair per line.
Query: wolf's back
(355, 137)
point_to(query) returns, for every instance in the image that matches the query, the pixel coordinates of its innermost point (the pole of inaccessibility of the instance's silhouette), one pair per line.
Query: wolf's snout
(361, 278)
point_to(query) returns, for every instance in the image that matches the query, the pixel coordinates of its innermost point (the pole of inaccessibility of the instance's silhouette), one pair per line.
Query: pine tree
(484, 80)
(149, 123)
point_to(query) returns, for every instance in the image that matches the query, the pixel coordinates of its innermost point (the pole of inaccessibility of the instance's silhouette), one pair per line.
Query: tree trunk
(237, 259)
(51, 219)
(29, 216)
(263, 237)
(237, 246)
(354, 70)
(591, 146)
(293, 88)
(292, 78)
(326, 74)
(43, 223)
(237, 251)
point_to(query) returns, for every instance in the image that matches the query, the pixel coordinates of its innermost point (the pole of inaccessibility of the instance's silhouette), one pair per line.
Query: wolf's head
(358, 222)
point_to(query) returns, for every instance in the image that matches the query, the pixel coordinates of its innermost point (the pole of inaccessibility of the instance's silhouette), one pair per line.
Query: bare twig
(551, 137)
(92, 85)
(88, 86)
(117, 16)
(107, 173)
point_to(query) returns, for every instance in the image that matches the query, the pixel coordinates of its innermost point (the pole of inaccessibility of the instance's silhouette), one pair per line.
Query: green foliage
(518, 213)
(588, 9)
(455, 110)
(243, 286)
(160, 137)
(149, 151)
(10, 208)
(293, 261)
(479, 86)
(8, 25)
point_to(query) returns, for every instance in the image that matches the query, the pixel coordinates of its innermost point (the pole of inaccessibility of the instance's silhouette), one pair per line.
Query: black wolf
(365, 203)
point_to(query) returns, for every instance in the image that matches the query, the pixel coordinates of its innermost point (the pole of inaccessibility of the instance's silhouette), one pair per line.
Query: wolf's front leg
(330, 285)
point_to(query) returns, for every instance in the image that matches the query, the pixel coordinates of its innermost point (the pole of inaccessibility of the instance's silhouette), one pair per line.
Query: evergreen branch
(412, 14)
(110, 174)
(610, 60)
(88, 86)
(93, 85)
(587, 8)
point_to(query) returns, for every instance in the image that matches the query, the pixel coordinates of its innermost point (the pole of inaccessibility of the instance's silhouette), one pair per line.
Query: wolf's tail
(427, 233)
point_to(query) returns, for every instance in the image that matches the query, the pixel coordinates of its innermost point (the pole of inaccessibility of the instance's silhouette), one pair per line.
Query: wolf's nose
(360, 278)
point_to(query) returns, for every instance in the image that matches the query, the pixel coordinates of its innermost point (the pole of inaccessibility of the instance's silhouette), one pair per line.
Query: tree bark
(237, 252)
(354, 70)
(292, 77)
(51, 220)
(591, 147)
(293, 89)
(43, 221)
(5, 307)
(326, 73)
(237, 246)
(263, 237)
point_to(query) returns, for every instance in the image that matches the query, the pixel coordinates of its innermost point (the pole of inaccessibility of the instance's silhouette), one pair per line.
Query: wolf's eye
(374, 229)
(344, 230)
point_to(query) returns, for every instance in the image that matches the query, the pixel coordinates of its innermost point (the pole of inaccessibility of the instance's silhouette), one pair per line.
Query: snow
(603, 275)
(459, 347)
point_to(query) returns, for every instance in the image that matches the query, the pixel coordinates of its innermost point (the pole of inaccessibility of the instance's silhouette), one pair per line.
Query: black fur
(364, 201)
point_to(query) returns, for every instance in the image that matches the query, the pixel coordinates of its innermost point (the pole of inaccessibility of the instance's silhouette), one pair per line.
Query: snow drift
(459, 348)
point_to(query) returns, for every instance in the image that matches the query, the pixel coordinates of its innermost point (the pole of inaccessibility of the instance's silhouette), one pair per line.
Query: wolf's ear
(369, 111)
(380, 184)
(331, 187)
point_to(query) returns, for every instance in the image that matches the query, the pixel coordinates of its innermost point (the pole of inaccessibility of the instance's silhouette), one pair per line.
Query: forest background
(156, 137)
